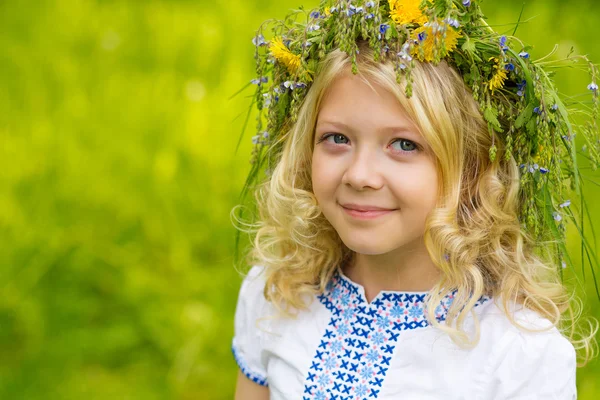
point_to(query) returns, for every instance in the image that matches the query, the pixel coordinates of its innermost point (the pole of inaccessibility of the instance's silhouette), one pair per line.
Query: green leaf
(525, 116)
(531, 126)
(468, 47)
(491, 116)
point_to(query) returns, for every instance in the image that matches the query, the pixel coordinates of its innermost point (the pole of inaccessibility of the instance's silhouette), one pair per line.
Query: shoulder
(253, 283)
(527, 360)
(251, 303)
(515, 320)
(248, 340)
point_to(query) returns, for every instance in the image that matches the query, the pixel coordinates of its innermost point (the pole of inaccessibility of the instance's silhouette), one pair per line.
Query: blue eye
(406, 145)
(334, 136)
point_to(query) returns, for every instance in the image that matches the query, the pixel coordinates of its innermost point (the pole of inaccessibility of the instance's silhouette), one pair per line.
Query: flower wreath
(516, 94)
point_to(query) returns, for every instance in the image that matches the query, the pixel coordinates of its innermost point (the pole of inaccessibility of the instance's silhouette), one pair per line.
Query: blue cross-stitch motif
(353, 356)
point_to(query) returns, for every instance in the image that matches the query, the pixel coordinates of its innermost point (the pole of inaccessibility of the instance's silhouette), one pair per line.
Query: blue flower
(336, 346)
(439, 310)
(372, 356)
(509, 67)
(503, 41)
(369, 16)
(378, 338)
(422, 36)
(593, 86)
(347, 313)
(383, 28)
(554, 107)
(255, 139)
(345, 299)
(521, 87)
(361, 390)
(258, 81)
(323, 380)
(466, 3)
(557, 216)
(259, 40)
(342, 329)
(370, 4)
(543, 170)
(537, 110)
(366, 373)
(452, 22)
(397, 311)
(415, 312)
(336, 292)
(403, 54)
(524, 54)
(315, 14)
(565, 204)
(383, 322)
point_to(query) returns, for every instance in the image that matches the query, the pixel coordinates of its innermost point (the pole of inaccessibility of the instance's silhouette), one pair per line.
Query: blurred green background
(118, 174)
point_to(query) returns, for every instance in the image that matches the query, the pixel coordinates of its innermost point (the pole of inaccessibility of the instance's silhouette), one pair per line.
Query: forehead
(353, 102)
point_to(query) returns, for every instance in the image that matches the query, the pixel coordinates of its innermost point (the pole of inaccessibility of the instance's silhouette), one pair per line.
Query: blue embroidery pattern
(261, 380)
(357, 347)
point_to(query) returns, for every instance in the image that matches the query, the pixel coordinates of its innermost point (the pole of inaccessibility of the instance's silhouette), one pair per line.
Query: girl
(399, 249)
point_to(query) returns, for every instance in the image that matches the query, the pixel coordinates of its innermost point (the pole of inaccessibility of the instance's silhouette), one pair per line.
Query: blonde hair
(473, 235)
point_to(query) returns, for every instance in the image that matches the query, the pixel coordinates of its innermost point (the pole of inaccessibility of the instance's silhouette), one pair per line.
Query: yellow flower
(499, 77)
(407, 12)
(327, 11)
(284, 55)
(428, 42)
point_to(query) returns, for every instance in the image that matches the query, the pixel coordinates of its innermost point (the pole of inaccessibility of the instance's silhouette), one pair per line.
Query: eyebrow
(387, 129)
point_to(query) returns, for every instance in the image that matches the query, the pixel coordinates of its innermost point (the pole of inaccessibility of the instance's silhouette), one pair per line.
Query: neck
(408, 269)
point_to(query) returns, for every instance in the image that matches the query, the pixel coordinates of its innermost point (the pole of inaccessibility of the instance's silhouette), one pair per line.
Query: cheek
(319, 177)
(419, 187)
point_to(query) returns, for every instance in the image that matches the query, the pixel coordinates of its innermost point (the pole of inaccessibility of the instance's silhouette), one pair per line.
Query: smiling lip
(370, 212)
(358, 207)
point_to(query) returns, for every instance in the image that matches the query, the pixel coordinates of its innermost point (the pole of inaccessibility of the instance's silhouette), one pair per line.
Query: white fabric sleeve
(533, 365)
(247, 344)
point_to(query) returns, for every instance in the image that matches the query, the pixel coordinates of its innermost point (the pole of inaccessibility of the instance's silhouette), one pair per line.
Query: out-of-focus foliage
(117, 176)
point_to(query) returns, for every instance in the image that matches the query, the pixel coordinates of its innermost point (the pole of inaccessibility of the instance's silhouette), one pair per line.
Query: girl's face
(368, 154)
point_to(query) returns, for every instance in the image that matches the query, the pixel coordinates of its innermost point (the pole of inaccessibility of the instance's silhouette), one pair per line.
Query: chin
(367, 247)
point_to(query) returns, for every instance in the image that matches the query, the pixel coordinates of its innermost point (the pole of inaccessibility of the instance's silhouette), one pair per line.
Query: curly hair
(473, 236)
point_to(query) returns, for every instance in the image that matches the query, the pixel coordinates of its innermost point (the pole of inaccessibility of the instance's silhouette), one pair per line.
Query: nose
(363, 171)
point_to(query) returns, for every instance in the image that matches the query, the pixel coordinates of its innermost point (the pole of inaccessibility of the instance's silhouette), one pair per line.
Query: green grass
(118, 174)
